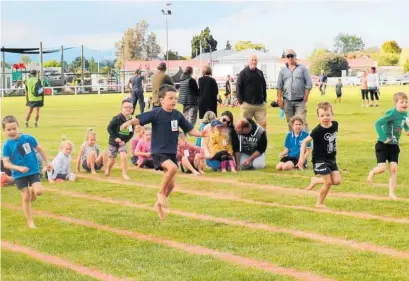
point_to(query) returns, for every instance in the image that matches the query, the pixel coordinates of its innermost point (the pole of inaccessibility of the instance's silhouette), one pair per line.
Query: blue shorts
(214, 164)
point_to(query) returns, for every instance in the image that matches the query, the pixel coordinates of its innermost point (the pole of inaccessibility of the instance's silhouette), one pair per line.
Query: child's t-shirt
(21, 152)
(338, 87)
(114, 130)
(391, 125)
(293, 143)
(87, 149)
(188, 150)
(220, 142)
(144, 147)
(134, 142)
(325, 142)
(199, 139)
(60, 165)
(165, 129)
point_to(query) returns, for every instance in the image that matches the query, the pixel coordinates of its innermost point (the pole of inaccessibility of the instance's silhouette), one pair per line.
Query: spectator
(158, 79)
(208, 92)
(135, 85)
(323, 82)
(373, 86)
(252, 144)
(188, 95)
(294, 85)
(251, 92)
(34, 97)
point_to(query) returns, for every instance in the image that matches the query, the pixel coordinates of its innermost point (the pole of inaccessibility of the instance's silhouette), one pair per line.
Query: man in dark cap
(135, 85)
(34, 96)
(158, 79)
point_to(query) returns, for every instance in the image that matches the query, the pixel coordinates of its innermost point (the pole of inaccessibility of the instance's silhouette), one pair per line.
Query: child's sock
(231, 164)
(223, 165)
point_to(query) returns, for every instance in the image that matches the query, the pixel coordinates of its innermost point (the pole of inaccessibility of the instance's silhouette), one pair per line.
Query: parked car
(353, 80)
(403, 79)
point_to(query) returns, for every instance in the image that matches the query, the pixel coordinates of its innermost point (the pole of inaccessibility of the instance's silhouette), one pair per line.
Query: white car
(353, 80)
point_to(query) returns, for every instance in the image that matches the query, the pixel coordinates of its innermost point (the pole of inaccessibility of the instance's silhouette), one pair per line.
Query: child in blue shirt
(290, 156)
(166, 121)
(20, 157)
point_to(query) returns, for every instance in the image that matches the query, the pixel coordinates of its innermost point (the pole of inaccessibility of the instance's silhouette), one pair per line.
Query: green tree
(406, 66)
(387, 59)
(243, 45)
(331, 63)
(76, 64)
(152, 48)
(391, 47)
(25, 59)
(105, 70)
(319, 52)
(404, 56)
(345, 43)
(52, 63)
(206, 40)
(93, 65)
(173, 56)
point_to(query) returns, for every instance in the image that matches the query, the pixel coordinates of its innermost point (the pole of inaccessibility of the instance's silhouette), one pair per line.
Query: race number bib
(224, 143)
(27, 148)
(174, 125)
(186, 152)
(130, 128)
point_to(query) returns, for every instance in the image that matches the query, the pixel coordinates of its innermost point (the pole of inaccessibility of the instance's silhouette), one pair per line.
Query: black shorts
(27, 181)
(324, 167)
(159, 158)
(88, 169)
(386, 152)
(339, 95)
(292, 159)
(34, 104)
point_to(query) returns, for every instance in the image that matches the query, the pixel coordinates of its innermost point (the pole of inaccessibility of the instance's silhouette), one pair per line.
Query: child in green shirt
(389, 129)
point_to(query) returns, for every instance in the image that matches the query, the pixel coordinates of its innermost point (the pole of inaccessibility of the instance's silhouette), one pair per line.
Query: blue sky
(301, 25)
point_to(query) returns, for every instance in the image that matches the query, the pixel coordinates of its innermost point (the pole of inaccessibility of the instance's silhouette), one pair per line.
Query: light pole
(167, 12)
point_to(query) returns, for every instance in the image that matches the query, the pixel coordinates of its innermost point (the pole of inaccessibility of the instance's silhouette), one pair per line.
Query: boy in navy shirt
(19, 155)
(166, 121)
(291, 154)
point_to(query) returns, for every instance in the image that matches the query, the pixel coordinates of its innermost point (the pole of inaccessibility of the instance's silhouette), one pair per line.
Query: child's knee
(25, 195)
(92, 154)
(72, 177)
(393, 170)
(279, 166)
(336, 181)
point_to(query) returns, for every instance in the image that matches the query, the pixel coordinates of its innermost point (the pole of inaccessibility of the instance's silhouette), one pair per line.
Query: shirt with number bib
(324, 142)
(165, 129)
(21, 152)
(391, 125)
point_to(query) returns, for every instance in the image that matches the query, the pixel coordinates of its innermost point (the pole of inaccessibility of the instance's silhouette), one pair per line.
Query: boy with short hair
(20, 157)
(118, 137)
(338, 90)
(389, 128)
(324, 152)
(166, 121)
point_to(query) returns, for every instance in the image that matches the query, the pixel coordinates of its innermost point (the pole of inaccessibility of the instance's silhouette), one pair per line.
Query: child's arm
(138, 151)
(44, 156)
(284, 153)
(303, 149)
(82, 151)
(379, 126)
(286, 146)
(10, 166)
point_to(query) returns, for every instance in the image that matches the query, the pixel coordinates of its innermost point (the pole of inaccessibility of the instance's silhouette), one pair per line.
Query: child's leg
(199, 163)
(170, 170)
(111, 162)
(231, 163)
(170, 187)
(381, 168)
(336, 178)
(279, 166)
(91, 157)
(37, 110)
(324, 191)
(26, 200)
(188, 166)
(393, 175)
(28, 116)
(287, 166)
(100, 159)
(314, 182)
(124, 164)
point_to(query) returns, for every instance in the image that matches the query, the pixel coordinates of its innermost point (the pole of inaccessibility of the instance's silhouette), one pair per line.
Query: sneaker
(35, 125)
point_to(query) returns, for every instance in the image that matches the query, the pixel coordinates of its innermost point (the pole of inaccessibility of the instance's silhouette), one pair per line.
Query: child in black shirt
(165, 121)
(324, 138)
(118, 137)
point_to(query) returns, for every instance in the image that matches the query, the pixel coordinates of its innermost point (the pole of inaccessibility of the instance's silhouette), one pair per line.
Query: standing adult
(188, 95)
(364, 89)
(35, 97)
(158, 79)
(373, 86)
(135, 85)
(252, 144)
(294, 85)
(208, 92)
(251, 92)
(323, 82)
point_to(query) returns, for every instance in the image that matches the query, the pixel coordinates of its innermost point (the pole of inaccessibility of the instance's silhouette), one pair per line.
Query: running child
(166, 121)
(118, 137)
(91, 157)
(324, 152)
(290, 156)
(19, 157)
(338, 90)
(190, 157)
(60, 166)
(389, 129)
(143, 149)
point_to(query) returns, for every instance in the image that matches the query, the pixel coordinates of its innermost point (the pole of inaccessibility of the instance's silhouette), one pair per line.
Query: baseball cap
(290, 52)
(162, 66)
(217, 123)
(33, 72)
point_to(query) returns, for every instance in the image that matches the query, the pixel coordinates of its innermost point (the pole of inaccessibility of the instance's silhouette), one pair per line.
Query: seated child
(90, 156)
(143, 149)
(60, 166)
(191, 157)
(138, 135)
(208, 117)
(291, 154)
(220, 146)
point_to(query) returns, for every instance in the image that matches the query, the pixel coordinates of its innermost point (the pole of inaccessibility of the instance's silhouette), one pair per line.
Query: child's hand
(388, 140)
(247, 162)
(282, 155)
(48, 166)
(300, 164)
(22, 169)
(118, 140)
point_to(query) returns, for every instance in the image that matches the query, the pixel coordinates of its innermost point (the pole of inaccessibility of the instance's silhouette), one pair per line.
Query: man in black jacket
(252, 144)
(188, 95)
(251, 93)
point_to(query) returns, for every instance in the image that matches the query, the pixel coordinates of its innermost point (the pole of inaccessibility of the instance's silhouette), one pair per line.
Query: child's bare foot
(320, 206)
(159, 210)
(224, 171)
(393, 196)
(202, 172)
(31, 224)
(370, 177)
(125, 176)
(93, 172)
(163, 200)
(107, 173)
(233, 170)
(314, 182)
(196, 173)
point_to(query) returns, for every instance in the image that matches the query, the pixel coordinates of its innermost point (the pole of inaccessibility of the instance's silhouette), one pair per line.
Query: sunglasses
(290, 56)
(224, 120)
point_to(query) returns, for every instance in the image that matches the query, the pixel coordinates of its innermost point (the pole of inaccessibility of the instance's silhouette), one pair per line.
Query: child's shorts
(387, 152)
(159, 158)
(113, 150)
(27, 181)
(339, 95)
(324, 167)
(88, 169)
(292, 159)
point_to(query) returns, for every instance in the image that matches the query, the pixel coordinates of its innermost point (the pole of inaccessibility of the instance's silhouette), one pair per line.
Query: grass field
(255, 225)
